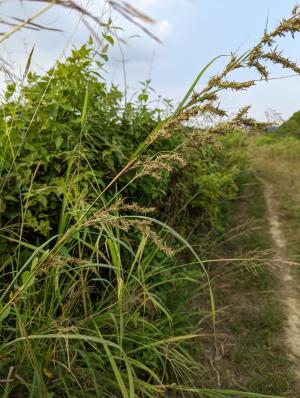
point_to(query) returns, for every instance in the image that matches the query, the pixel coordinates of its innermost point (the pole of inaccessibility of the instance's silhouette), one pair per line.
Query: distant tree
(291, 126)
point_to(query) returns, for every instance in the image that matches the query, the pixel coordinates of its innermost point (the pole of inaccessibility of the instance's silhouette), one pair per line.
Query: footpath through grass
(249, 352)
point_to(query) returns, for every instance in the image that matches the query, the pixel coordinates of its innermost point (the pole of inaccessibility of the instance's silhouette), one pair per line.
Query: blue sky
(192, 31)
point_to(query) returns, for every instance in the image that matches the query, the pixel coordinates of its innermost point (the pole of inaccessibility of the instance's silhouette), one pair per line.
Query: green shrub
(89, 289)
(66, 134)
(207, 187)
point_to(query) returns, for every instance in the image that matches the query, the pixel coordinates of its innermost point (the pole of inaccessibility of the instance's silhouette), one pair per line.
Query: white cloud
(165, 27)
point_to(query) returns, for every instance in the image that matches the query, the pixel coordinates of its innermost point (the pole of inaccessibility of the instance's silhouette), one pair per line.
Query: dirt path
(290, 292)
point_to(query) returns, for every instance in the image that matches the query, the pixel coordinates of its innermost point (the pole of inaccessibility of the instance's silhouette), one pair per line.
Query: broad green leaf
(64, 251)
(4, 311)
(34, 263)
(27, 278)
(58, 142)
(110, 39)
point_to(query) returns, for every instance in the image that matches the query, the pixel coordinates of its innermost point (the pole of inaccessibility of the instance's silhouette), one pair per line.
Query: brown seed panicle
(154, 167)
(114, 217)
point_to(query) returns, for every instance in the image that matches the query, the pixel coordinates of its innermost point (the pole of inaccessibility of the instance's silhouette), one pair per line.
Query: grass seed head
(277, 58)
(295, 9)
(155, 167)
(236, 86)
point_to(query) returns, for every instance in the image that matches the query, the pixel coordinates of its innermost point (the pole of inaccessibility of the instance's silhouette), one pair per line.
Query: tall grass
(95, 292)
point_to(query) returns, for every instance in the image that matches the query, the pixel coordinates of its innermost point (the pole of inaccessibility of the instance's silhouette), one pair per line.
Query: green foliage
(290, 127)
(90, 303)
(62, 134)
(265, 139)
(66, 135)
(210, 183)
(94, 325)
(285, 148)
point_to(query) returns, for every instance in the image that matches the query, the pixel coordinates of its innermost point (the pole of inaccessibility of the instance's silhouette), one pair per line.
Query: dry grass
(132, 14)
(278, 163)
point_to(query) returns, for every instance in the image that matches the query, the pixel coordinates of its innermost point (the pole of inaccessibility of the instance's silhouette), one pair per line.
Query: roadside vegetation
(110, 212)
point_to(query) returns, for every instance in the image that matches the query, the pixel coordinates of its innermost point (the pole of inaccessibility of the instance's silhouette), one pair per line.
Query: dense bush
(90, 294)
(207, 187)
(65, 135)
(62, 134)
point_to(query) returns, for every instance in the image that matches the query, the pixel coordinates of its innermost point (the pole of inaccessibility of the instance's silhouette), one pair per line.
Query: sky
(192, 33)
